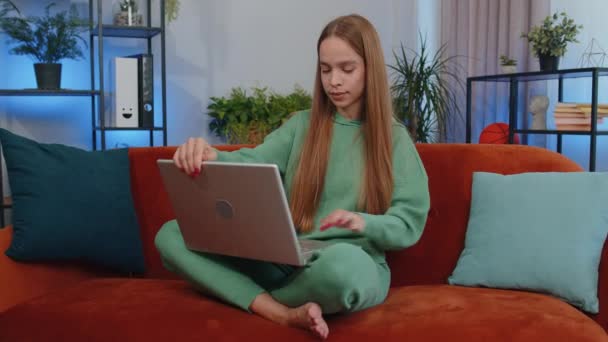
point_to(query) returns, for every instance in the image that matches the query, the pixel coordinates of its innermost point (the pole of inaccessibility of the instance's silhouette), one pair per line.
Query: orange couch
(46, 302)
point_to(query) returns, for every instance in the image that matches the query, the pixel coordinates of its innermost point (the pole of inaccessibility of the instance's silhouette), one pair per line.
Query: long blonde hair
(377, 117)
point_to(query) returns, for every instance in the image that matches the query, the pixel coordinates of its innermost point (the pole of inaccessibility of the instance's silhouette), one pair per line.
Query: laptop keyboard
(312, 245)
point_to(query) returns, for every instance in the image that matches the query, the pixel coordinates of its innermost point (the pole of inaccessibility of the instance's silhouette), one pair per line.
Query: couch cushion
(453, 313)
(432, 259)
(540, 231)
(22, 281)
(138, 310)
(71, 204)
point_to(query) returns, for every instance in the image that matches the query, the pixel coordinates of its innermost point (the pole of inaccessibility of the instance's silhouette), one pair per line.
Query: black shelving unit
(98, 31)
(514, 79)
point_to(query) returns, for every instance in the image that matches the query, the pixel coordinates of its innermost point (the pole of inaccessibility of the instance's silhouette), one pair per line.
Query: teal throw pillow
(540, 232)
(71, 204)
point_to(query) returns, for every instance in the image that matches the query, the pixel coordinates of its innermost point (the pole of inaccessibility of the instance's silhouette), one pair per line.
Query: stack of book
(577, 116)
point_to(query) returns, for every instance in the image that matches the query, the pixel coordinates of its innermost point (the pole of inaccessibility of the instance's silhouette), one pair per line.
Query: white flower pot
(509, 69)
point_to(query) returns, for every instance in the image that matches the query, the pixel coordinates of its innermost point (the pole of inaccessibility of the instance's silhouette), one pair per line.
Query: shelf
(593, 74)
(47, 92)
(555, 131)
(97, 97)
(127, 31)
(541, 75)
(129, 128)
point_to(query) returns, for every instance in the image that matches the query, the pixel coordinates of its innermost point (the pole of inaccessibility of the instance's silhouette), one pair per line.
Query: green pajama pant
(340, 278)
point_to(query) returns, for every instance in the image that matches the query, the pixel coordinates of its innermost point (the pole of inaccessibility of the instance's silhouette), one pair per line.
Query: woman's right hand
(192, 153)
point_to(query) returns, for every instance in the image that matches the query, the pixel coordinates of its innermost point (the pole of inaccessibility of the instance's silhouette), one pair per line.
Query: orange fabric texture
(434, 257)
(450, 170)
(155, 309)
(169, 310)
(22, 281)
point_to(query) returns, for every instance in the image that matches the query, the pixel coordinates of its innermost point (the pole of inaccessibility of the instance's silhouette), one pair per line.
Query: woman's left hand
(343, 219)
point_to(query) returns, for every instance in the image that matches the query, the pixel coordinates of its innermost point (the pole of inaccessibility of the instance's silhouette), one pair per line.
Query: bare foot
(309, 316)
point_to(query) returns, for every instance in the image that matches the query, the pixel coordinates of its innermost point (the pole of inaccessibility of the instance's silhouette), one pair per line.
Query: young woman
(352, 175)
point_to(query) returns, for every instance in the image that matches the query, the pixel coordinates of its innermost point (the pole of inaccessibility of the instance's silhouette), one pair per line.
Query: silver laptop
(236, 209)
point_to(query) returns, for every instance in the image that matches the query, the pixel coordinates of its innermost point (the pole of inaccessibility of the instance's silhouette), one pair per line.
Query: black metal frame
(147, 32)
(100, 31)
(560, 75)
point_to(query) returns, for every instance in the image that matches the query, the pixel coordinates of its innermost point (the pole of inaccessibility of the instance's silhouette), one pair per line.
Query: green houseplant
(424, 97)
(48, 39)
(550, 39)
(508, 65)
(171, 9)
(243, 118)
(6, 7)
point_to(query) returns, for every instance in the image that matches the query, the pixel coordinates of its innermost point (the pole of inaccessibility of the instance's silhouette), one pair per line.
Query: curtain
(478, 32)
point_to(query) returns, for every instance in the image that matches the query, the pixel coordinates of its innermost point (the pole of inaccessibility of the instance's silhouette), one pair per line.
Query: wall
(264, 43)
(429, 23)
(213, 46)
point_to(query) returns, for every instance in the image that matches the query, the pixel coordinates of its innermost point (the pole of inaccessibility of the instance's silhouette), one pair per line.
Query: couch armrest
(22, 281)
(602, 316)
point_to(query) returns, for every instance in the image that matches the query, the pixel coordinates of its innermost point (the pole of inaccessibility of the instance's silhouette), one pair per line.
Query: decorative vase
(548, 62)
(509, 69)
(48, 75)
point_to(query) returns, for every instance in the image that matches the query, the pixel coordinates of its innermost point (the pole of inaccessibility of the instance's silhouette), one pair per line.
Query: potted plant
(171, 9)
(508, 65)
(242, 118)
(549, 40)
(424, 97)
(48, 39)
(6, 7)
